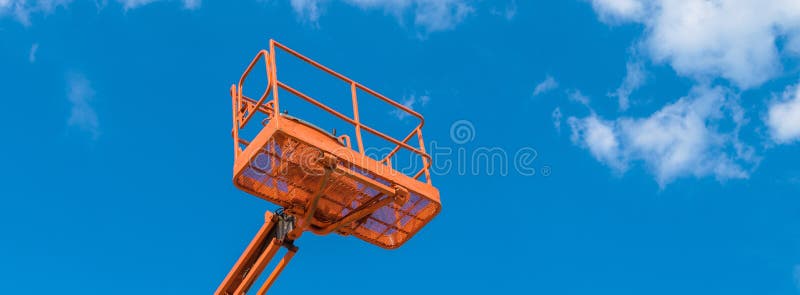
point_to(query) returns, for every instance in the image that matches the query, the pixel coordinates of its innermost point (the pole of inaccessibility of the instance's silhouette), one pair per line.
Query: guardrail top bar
(350, 81)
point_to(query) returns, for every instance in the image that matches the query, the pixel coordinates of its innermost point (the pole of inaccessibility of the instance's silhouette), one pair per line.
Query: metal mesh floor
(285, 172)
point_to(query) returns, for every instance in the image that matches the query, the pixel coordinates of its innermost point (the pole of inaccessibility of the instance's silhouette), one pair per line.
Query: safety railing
(244, 108)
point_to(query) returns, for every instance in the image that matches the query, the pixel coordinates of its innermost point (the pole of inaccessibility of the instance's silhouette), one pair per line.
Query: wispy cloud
(440, 15)
(131, 4)
(509, 12)
(557, 119)
(192, 4)
(619, 10)
(308, 10)
(681, 139)
(576, 96)
(600, 138)
(82, 115)
(21, 10)
(428, 15)
(635, 77)
(413, 102)
(549, 83)
(32, 53)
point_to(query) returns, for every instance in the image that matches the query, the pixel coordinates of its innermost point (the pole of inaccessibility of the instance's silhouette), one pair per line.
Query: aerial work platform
(324, 183)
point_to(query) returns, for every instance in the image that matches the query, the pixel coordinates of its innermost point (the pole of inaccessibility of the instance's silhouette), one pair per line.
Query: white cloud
(430, 15)
(192, 4)
(634, 78)
(307, 9)
(577, 96)
(548, 84)
(732, 39)
(618, 10)
(32, 53)
(557, 118)
(681, 139)
(600, 138)
(413, 102)
(509, 12)
(22, 10)
(82, 115)
(783, 117)
(131, 4)
(441, 15)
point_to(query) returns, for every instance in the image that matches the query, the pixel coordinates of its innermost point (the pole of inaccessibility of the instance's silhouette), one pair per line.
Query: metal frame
(245, 107)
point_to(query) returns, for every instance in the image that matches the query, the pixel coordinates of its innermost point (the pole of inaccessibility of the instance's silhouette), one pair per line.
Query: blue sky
(665, 137)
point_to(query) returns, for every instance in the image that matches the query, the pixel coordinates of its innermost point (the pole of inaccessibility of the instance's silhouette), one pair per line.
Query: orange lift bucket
(320, 178)
(323, 182)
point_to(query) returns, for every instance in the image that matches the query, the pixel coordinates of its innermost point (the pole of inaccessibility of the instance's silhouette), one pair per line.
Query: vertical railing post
(424, 159)
(235, 101)
(353, 90)
(274, 81)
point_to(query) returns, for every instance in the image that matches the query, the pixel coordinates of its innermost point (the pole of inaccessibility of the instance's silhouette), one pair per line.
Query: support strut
(261, 250)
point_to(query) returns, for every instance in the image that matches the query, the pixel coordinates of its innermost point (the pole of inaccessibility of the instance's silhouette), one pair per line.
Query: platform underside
(280, 166)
